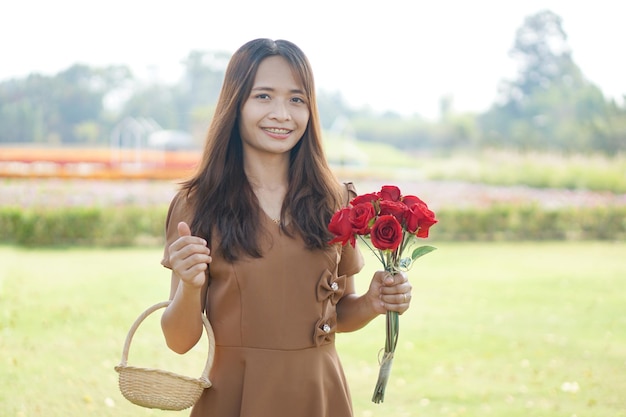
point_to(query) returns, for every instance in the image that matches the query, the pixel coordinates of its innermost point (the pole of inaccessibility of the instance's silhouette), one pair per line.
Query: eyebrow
(293, 91)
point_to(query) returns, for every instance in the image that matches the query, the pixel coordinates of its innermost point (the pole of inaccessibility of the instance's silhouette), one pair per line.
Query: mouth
(277, 131)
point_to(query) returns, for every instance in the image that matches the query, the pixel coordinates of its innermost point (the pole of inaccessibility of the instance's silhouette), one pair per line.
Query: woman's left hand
(390, 292)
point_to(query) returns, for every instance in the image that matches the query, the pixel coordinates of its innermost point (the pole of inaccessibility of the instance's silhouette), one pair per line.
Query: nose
(280, 111)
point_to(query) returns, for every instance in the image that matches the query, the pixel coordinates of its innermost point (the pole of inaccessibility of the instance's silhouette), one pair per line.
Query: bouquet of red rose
(390, 225)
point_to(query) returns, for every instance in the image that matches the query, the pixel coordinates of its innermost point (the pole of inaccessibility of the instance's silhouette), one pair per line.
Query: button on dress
(274, 320)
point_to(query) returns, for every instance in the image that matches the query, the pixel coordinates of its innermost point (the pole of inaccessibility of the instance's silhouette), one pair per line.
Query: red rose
(389, 192)
(409, 200)
(364, 198)
(341, 227)
(360, 217)
(395, 208)
(386, 233)
(419, 218)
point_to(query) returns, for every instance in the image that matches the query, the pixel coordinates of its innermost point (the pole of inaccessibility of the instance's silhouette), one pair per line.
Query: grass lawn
(507, 330)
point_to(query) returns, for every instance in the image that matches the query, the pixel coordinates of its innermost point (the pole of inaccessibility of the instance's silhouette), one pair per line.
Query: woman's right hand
(189, 257)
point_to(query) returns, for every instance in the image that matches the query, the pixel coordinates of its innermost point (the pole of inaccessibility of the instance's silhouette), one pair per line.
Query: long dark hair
(223, 200)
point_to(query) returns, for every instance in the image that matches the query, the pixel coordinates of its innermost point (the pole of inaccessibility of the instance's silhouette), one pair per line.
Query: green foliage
(549, 106)
(531, 223)
(453, 131)
(56, 227)
(82, 226)
(421, 251)
(156, 102)
(131, 225)
(534, 169)
(543, 55)
(174, 106)
(41, 109)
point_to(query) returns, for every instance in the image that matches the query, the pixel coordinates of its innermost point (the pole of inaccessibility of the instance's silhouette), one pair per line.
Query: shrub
(531, 222)
(134, 225)
(97, 226)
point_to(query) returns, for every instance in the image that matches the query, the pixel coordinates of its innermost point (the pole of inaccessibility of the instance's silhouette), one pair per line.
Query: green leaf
(421, 251)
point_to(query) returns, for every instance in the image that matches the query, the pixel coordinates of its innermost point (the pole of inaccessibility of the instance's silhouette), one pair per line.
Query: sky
(389, 55)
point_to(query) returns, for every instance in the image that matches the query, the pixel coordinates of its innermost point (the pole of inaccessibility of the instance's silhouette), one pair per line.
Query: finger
(183, 229)
(186, 239)
(194, 277)
(196, 269)
(185, 262)
(384, 278)
(394, 281)
(201, 257)
(397, 278)
(404, 298)
(397, 288)
(396, 302)
(192, 269)
(190, 245)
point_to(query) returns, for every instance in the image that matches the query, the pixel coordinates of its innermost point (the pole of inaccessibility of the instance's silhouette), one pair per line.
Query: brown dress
(274, 320)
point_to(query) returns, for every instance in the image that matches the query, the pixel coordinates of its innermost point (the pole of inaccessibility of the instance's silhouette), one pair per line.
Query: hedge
(133, 225)
(531, 223)
(95, 226)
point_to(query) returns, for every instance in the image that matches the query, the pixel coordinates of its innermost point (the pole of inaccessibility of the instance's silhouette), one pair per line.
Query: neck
(269, 175)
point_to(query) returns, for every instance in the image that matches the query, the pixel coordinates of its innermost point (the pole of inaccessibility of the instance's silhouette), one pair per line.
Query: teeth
(279, 131)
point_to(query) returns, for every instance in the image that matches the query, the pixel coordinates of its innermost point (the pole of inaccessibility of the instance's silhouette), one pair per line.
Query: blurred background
(508, 119)
(468, 105)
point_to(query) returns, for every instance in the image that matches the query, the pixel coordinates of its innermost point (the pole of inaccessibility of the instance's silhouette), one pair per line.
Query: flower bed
(37, 212)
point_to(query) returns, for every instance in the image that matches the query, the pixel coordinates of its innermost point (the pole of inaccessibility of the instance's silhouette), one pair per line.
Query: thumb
(386, 278)
(183, 229)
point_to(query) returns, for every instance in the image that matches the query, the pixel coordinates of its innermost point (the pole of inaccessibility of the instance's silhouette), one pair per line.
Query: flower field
(58, 192)
(95, 163)
(55, 190)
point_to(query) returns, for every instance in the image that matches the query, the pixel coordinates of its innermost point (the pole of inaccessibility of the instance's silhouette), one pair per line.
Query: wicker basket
(154, 388)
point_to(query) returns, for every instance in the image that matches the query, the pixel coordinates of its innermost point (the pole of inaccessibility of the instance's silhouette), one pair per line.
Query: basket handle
(152, 309)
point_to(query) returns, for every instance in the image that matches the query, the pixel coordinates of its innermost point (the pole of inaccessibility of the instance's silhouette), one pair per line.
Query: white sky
(400, 55)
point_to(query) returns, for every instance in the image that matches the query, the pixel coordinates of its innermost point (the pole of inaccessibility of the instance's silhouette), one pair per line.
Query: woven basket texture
(156, 388)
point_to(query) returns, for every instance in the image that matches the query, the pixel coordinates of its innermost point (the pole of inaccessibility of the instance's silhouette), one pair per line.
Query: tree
(154, 101)
(201, 83)
(60, 109)
(176, 106)
(610, 129)
(543, 56)
(550, 104)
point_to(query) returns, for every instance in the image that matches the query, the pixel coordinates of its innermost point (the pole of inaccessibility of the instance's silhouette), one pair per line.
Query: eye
(299, 100)
(262, 96)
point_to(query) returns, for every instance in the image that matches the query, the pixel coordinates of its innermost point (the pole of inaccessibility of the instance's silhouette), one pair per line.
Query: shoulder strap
(350, 192)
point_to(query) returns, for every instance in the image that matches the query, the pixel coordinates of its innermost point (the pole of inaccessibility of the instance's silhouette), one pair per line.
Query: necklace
(276, 221)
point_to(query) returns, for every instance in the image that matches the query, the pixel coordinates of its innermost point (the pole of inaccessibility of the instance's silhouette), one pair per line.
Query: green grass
(495, 330)
(505, 167)
(536, 169)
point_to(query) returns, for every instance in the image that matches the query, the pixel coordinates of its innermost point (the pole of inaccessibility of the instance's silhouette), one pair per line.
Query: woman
(247, 243)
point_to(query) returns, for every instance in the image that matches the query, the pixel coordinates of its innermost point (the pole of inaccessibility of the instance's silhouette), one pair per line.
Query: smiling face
(275, 115)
